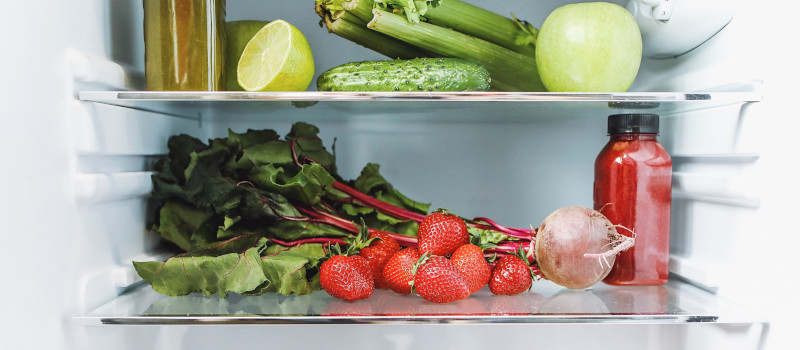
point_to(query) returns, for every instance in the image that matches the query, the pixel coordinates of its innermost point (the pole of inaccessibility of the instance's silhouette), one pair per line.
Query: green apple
(237, 35)
(589, 47)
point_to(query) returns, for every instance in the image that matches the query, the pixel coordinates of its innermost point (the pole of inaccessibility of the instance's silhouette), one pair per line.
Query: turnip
(576, 247)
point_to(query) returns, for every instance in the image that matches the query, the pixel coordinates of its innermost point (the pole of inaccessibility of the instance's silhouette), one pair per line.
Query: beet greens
(254, 213)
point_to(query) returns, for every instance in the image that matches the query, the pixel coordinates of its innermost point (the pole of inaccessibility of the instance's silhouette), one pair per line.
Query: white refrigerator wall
(732, 228)
(76, 177)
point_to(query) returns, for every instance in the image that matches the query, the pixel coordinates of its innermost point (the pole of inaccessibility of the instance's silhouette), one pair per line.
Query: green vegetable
(350, 27)
(421, 74)
(465, 18)
(410, 8)
(252, 212)
(443, 28)
(217, 269)
(475, 21)
(510, 71)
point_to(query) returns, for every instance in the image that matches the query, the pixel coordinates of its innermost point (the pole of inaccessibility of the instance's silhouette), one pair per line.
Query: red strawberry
(510, 275)
(438, 280)
(469, 260)
(440, 233)
(347, 277)
(362, 266)
(398, 273)
(378, 253)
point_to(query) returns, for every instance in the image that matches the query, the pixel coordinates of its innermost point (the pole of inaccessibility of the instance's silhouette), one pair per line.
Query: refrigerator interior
(78, 179)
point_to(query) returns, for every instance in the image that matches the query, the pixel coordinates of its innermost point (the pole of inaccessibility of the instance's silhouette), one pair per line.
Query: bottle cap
(633, 124)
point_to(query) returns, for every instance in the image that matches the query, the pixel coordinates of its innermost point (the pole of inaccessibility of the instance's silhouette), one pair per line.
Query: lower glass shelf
(673, 303)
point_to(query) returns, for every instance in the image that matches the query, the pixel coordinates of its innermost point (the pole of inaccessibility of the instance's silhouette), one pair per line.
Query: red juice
(633, 189)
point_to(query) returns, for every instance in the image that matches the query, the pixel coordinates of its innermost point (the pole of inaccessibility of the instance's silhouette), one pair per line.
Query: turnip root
(576, 247)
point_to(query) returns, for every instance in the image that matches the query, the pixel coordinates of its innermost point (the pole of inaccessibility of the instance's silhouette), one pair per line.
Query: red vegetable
(576, 247)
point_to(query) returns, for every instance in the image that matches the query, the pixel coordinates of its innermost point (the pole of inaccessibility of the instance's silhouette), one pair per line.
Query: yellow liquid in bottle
(184, 44)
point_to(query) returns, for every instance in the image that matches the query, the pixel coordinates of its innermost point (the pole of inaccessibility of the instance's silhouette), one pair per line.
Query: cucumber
(417, 74)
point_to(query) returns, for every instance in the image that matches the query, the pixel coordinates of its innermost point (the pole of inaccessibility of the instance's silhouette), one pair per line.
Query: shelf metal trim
(404, 320)
(467, 96)
(675, 303)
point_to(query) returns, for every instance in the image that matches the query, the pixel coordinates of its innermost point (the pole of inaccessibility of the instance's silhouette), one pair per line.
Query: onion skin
(576, 247)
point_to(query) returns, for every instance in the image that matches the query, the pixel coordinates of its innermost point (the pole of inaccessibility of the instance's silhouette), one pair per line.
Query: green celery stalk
(483, 24)
(360, 8)
(359, 34)
(509, 70)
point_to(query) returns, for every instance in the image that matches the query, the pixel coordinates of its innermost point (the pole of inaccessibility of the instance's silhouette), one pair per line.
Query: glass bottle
(633, 189)
(184, 44)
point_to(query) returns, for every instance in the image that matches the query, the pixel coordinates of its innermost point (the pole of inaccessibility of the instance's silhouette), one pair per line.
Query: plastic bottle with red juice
(633, 189)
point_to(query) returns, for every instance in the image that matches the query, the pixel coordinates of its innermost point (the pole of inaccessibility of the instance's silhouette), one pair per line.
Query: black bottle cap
(633, 124)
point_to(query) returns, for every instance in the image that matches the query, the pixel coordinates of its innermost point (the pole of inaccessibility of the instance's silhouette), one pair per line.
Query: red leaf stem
(378, 204)
(319, 216)
(324, 240)
(405, 214)
(508, 231)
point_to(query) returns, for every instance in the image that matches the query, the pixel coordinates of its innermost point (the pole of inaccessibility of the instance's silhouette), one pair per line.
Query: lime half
(277, 58)
(237, 35)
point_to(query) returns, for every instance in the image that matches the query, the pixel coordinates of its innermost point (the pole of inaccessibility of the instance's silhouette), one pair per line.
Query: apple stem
(527, 28)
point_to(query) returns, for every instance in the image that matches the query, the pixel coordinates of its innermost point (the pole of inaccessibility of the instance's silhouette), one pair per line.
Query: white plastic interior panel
(91, 138)
(664, 24)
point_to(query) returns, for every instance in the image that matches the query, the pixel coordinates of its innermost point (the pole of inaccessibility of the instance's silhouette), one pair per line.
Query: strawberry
(381, 248)
(347, 277)
(510, 275)
(439, 281)
(398, 273)
(469, 260)
(440, 233)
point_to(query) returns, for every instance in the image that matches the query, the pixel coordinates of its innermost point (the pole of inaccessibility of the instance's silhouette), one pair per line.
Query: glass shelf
(194, 104)
(673, 303)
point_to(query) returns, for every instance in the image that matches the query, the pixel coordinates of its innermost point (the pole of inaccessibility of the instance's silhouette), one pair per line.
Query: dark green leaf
(250, 138)
(184, 225)
(208, 271)
(253, 185)
(373, 183)
(287, 269)
(305, 187)
(181, 147)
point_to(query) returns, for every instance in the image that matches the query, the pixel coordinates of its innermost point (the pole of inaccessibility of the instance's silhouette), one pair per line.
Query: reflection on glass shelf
(545, 303)
(191, 104)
